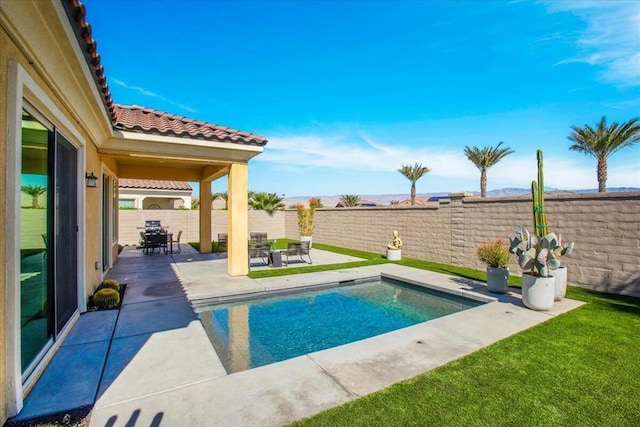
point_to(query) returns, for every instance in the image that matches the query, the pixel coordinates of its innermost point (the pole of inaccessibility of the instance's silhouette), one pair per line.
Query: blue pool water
(258, 332)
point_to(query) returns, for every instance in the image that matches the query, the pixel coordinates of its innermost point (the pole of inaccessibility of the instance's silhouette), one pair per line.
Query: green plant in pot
(496, 256)
(306, 216)
(539, 253)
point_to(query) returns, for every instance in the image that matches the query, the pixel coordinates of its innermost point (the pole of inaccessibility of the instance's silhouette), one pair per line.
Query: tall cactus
(539, 252)
(537, 192)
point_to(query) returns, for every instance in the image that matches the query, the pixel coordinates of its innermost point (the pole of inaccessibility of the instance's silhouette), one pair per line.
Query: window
(127, 204)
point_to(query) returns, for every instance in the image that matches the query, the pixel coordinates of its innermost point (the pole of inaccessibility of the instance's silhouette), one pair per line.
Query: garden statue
(396, 243)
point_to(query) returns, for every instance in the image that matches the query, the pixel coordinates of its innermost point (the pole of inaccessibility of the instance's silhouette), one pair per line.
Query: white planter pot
(307, 239)
(538, 292)
(561, 282)
(394, 254)
(497, 279)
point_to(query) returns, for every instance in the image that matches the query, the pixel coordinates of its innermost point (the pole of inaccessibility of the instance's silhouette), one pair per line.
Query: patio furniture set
(261, 248)
(155, 236)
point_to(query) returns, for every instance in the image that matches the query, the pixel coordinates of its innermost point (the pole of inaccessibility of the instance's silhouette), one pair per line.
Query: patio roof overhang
(148, 156)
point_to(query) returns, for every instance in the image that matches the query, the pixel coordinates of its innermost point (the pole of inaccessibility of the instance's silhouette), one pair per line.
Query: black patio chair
(257, 237)
(300, 249)
(177, 242)
(223, 241)
(155, 240)
(261, 251)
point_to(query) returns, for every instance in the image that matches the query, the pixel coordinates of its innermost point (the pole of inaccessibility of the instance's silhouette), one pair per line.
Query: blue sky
(348, 91)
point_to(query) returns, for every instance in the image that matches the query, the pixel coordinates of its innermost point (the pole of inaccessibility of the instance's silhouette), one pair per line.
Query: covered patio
(149, 144)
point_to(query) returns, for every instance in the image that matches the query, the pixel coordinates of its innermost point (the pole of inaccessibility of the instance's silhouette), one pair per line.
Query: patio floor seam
(334, 378)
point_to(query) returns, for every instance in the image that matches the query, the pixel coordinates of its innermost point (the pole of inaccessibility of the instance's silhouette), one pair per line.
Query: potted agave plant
(539, 253)
(496, 256)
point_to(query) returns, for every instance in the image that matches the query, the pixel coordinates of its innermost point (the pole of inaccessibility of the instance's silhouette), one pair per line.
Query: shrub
(109, 284)
(494, 254)
(305, 219)
(106, 298)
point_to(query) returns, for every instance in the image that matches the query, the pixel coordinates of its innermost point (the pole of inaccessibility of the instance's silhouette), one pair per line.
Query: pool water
(258, 332)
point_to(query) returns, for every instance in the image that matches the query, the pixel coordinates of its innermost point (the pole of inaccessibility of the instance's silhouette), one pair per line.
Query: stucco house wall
(11, 58)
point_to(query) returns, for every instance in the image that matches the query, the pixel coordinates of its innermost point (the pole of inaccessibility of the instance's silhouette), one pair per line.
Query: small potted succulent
(496, 256)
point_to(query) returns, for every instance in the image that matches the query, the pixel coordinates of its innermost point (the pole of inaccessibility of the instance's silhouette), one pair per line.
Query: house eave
(134, 144)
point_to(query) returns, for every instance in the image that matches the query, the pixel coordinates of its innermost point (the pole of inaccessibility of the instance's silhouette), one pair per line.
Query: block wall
(605, 228)
(188, 222)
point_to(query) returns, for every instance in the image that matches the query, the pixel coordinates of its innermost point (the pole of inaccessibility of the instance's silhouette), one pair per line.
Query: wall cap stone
(622, 195)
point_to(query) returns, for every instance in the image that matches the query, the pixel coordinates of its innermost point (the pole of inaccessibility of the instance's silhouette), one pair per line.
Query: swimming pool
(257, 332)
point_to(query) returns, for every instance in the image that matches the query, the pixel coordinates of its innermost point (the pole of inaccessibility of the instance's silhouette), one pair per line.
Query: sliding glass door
(36, 282)
(66, 227)
(48, 237)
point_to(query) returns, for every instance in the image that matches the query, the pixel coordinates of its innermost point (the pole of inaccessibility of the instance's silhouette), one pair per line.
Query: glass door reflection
(36, 288)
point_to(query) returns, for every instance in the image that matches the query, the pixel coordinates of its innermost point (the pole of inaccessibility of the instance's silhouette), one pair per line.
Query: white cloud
(611, 39)
(565, 172)
(338, 152)
(151, 94)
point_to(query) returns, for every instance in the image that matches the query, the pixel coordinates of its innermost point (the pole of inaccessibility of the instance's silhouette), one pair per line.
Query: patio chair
(156, 240)
(177, 242)
(143, 242)
(300, 249)
(260, 250)
(258, 237)
(223, 241)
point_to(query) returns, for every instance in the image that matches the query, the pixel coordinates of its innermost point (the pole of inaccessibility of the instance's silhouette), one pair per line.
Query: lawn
(579, 369)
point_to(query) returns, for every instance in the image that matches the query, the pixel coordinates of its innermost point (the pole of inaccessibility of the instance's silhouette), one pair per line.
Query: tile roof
(141, 119)
(146, 120)
(420, 201)
(153, 184)
(76, 12)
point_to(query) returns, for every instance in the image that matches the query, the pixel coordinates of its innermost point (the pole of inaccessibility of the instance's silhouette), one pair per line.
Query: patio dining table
(162, 240)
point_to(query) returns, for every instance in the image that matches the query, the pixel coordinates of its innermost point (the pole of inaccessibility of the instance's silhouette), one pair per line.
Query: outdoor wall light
(92, 180)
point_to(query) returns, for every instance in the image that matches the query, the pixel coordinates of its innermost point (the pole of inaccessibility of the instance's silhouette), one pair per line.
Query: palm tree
(269, 202)
(195, 203)
(413, 174)
(484, 158)
(350, 200)
(224, 196)
(34, 191)
(603, 141)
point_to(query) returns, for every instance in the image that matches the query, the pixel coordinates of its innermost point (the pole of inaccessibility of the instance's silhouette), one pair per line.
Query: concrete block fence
(605, 228)
(188, 221)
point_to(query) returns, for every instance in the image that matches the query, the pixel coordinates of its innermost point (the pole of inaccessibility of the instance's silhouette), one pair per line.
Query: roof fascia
(42, 32)
(145, 145)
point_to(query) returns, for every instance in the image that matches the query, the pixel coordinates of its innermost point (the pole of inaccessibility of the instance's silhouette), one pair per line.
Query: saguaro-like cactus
(539, 252)
(537, 192)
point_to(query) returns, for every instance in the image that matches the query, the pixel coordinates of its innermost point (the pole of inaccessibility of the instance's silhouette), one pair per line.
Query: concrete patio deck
(151, 363)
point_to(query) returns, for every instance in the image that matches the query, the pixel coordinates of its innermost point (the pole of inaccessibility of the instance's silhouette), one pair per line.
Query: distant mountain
(385, 199)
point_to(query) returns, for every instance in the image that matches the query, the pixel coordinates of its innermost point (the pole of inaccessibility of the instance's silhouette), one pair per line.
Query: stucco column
(238, 220)
(205, 217)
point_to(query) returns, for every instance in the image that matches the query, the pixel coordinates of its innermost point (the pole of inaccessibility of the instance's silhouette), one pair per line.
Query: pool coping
(296, 388)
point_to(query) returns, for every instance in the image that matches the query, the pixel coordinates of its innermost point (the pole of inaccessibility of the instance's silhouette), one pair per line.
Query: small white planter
(394, 254)
(307, 239)
(497, 279)
(561, 282)
(538, 292)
